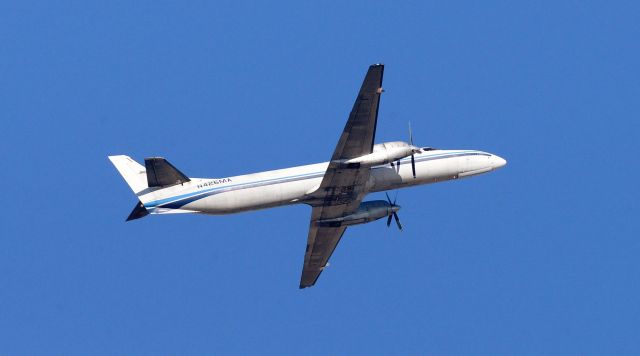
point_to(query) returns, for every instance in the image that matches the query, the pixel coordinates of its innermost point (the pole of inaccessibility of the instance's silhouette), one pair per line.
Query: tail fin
(133, 172)
(158, 173)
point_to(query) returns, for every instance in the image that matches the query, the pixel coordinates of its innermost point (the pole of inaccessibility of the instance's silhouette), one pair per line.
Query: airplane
(335, 190)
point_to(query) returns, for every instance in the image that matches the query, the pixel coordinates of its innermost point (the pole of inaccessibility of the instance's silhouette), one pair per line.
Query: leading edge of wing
(359, 132)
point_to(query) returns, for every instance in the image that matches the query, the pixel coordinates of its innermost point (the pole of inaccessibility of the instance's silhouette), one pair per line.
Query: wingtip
(303, 286)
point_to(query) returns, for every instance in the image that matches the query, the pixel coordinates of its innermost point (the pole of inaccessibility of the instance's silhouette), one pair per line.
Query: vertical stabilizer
(133, 172)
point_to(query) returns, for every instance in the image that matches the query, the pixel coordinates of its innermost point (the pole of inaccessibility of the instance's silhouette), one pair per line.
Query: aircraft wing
(343, 188)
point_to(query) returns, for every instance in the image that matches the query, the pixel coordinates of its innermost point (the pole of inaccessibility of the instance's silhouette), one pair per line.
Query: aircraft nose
(498, 162)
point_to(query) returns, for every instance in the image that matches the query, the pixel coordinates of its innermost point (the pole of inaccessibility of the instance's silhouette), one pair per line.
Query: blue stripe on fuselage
(178, 201)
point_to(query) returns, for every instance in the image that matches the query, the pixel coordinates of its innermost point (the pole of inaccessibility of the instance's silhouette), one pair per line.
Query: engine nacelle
(383, 153)
(367, 212)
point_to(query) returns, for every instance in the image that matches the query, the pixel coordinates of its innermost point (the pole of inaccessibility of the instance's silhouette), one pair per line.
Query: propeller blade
(389, 221)
(410, 134)
(397, 220)
(413, 166)
(388, 199)
(413, 159)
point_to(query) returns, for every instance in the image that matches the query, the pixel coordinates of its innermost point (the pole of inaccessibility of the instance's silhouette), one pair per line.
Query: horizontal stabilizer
(161, 173)
(138, 212)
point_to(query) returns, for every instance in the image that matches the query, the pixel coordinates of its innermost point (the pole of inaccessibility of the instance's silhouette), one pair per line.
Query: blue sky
(540, 257)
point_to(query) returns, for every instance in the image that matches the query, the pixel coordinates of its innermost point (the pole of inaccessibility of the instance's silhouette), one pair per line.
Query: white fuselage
(293, 185)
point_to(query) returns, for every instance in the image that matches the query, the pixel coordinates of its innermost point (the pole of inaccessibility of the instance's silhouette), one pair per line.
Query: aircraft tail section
(156, 174)
(133, 172)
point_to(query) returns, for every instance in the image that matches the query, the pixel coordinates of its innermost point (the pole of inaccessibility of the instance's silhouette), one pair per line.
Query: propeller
(414, 150)
(394, 214)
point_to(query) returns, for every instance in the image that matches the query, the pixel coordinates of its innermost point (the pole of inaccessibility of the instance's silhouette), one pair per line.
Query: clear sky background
(540, 257)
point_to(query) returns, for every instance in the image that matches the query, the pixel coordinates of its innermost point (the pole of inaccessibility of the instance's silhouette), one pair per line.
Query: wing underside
(343, 188)
(321, 243)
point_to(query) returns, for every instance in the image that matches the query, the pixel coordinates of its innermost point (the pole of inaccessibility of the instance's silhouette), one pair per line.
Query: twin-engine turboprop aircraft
(333, 189)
